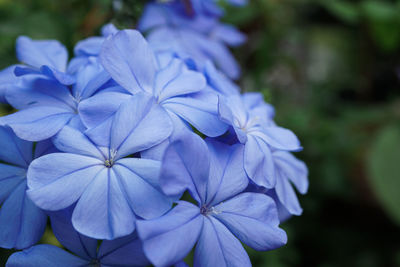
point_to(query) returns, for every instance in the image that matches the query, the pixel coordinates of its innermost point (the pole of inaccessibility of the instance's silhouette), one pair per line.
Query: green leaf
(384, 170)
(384, 23)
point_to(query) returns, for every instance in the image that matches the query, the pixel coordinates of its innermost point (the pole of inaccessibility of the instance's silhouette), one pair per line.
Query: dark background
(331, 68)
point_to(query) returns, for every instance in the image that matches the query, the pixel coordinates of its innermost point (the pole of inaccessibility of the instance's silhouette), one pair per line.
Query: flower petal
(279, 138)
(287, 195)
(43, 52)
(13, 149)
(129, 60)
(38, 123)
(294, 169)
(73, 141)
(181, 171)
(218, 247)
(22, 224)
(138, 125)
(176, 79)
(100, 107)
(227, 175)
(203, 115)
(126, 251)
(253, 218)
(65, 233)
(258, 162)
(34, 91)
(103, 212)
(139, 179)
(44, 255)
(183, 223)
(10, 178)
(57, 180)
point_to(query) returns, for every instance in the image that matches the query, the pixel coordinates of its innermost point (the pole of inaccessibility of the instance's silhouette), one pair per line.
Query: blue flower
(179, 91)
(216, 179)
(252, 122)
(82, 250)
(199, 37)
(46, 106)
(21, 223)
(109, 187)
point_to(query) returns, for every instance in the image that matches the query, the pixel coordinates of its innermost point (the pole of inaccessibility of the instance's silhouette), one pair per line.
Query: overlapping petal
(102, 211)
(120, 56)
(44, 255)
(253, 218)
(183, 222)
(57, 180)
(181, 171)
(218, 247)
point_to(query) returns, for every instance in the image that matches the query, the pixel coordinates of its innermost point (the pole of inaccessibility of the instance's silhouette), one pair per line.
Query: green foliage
(384, 169)
(382, 18)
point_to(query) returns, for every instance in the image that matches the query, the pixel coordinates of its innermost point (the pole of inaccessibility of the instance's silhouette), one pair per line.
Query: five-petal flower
(215, 178)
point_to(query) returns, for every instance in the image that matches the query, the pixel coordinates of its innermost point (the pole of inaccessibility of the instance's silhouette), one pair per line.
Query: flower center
(109, 163)
(95, 263)
(206, 211)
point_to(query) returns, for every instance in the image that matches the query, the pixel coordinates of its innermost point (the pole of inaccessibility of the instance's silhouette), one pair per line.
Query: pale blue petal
(183, 223)
(89, 47)
(228, 34)
(218, 247)
(57, 180)
(294, 169)
(279, 138)
(60, 76)
(259, 163)
(156, 152)
(286, 194)
(73, 141)
(252, 218)
(221, 55)
(140, 181)
(219, 82)
(38, 123)
(43, 52)
(177, 80)
(108, 29)
(139, 124)
(98, 108)
(201, 114)
(181, 171)
(103, 212)
(45, 256)
(100, 134)
(227, 175)
(129, 60)
(40, 92)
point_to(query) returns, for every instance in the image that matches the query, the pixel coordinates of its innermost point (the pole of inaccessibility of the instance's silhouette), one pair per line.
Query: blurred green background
(332, 70)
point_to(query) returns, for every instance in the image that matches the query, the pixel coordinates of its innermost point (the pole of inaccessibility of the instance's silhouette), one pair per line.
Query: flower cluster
(107, 143)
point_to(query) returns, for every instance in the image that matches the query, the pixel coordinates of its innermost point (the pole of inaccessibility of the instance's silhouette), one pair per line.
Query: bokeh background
(332, 70)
